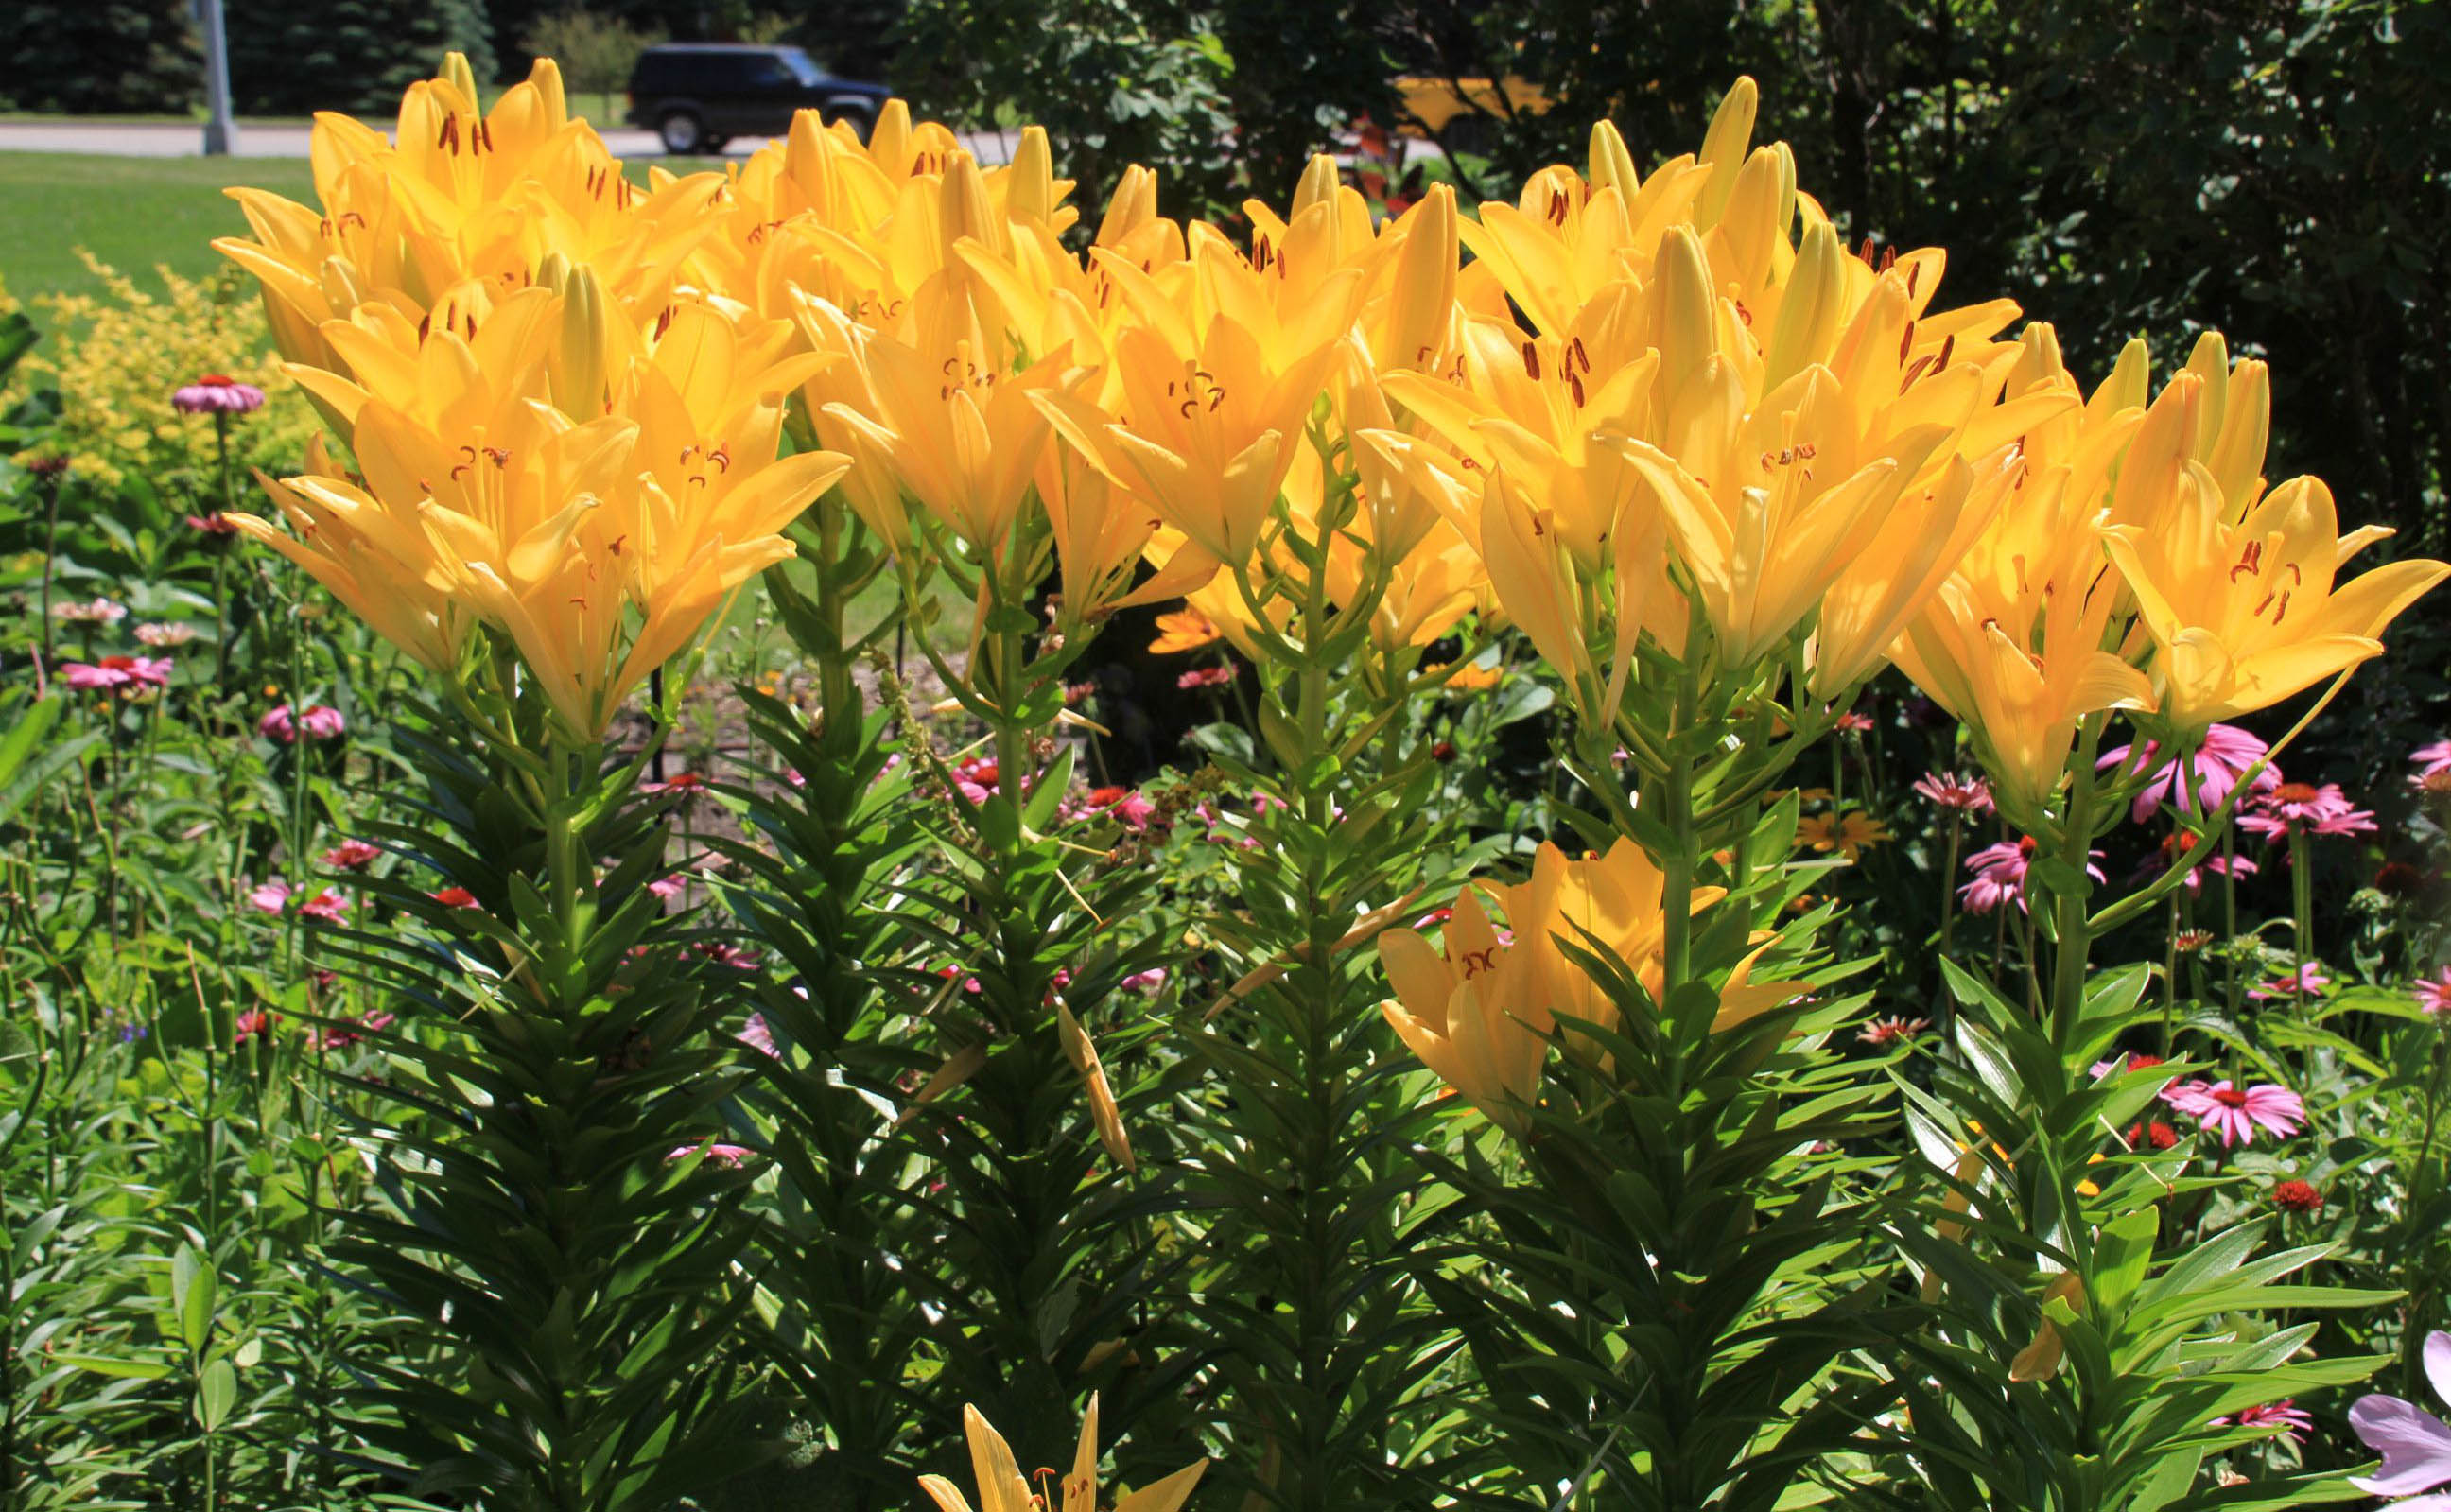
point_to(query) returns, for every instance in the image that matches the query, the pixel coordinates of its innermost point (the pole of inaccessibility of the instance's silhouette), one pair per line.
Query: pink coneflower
(976, 778)
(1883, 1032)
(2000, 875)
(1145, 983)
(2174, 847)
(758, 1037)
(2308, 980)
(214, 394)
(2155, 1135)
(670, 887)
(249, 1024)
(2429, 759)
(351, 855)
(1125, 804)
(1204, 677)
(1855, 723)
(2434, 993)
(2297, 1196)
(326, 907)
(118, 674)
(738, 957)
(272, 897)
(2350, 821)
(339, 1035)
(2136, 1061)
(2234, 1113)
(2291, 1420)
(1949, 790)
(2217, 765)
(454, 898)
(717, 1154)
(2301, 804)
(322, 722)
(90, 612)
(165, 634)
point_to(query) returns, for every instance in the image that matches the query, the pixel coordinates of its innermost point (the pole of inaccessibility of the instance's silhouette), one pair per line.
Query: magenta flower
(2284, 1414)
(1949, 790)
(249, 1024)
(2415, 1444)
(322, 721)
(668, 888)
(1204, 677)
(738, 957)
(2217, 765)
(2304, 982)
(118, 674)
(2349, 821)
(272, 897)
(758, 1037)
(354, 1029)
(1855, 723)
(688, 784)
(1145, 983)
(976, 778)
(2235, 1114)
(214, 523)
(216, 395)
(2429, 759)
(90, 612)
(2434, 993)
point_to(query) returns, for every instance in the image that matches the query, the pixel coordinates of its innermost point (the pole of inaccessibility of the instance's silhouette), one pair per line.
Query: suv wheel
(681, 132)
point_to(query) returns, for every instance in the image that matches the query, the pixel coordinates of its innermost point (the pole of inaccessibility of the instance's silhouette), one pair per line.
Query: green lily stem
(2301, 897)
(1678, 867)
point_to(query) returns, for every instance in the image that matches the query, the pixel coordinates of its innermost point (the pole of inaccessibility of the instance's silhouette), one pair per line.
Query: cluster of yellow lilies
(1665, 413)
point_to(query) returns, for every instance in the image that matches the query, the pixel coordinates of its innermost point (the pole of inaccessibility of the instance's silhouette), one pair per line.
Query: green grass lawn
(130, 213)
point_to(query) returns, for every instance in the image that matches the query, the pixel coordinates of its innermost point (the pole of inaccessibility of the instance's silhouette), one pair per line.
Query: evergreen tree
(288, 57)
(93, 57)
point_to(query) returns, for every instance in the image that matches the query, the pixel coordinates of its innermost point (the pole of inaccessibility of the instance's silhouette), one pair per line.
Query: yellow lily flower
(482, 502)
(2244, 615)
(961, 437)
(1003, 1489)
(2012, 645)
(1471, 1009)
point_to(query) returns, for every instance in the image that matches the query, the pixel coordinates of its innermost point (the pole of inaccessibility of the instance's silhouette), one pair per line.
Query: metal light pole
(221, 132)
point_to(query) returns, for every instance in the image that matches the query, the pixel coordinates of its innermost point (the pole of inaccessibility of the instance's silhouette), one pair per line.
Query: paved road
(168, 141)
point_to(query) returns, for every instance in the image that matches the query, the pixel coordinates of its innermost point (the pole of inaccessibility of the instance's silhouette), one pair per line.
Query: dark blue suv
(699, 95)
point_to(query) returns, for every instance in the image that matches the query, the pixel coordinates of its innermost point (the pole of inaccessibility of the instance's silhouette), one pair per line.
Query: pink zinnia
(2305, 981)
(249, 1024)
(322, 721)
(2217, 765)
(118, 674)
(272, 897)
(2235, 1113)
(2434, 993)
(351, 855)
(216, 395)
(1948, 790)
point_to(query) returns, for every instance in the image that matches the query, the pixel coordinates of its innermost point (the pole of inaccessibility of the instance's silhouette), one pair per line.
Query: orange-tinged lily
(2244, 615)
(1473, 1010)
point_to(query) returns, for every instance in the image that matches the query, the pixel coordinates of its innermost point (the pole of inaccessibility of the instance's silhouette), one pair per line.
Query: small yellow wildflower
(1846, 834)
(1185, 629)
